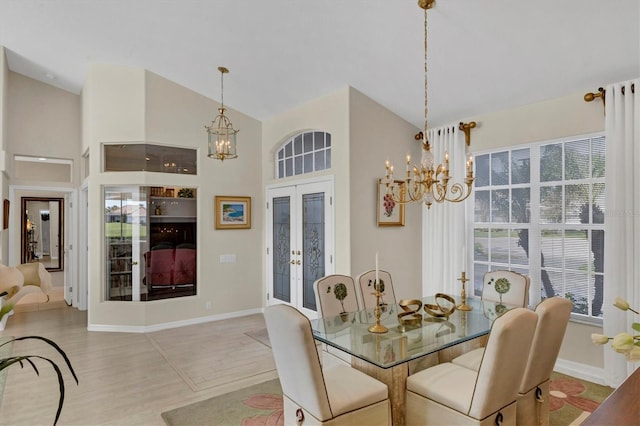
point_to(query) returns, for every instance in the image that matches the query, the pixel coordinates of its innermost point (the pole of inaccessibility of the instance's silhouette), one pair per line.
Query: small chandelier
(423, 183)
(222, 135)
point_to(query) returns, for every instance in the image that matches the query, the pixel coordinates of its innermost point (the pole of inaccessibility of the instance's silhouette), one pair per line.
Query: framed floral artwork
(389, 212)
(232, 212)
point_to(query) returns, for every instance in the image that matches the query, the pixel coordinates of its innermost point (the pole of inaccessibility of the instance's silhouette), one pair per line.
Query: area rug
(256, 405)
(572, 400)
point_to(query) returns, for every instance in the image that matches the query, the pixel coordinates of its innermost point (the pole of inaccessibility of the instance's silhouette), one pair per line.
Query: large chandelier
(222, 135)
(423, 183)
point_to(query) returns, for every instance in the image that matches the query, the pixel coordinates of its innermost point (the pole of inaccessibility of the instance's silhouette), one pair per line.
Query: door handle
(298, 262)
(134, 263)
(293, 262)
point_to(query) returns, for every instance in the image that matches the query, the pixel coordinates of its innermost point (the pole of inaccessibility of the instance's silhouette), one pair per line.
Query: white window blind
(539, 211)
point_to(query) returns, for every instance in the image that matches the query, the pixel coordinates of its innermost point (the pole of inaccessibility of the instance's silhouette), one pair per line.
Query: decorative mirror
(42, 231)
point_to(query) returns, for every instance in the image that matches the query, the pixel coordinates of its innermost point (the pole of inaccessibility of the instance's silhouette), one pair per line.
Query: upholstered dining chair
(339, 395)
(333, 299)
(514, 291)
(365, 284)
(448, 394)
(332, 302)
(533, 396)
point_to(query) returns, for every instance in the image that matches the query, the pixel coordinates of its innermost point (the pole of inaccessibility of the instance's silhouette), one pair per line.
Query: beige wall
(42, 121)
(548, 120)
(127, 104)
(376, 135)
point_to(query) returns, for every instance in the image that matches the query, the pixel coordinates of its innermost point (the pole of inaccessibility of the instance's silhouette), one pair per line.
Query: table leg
(396, 380)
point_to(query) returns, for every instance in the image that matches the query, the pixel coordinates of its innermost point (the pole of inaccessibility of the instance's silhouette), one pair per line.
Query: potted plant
(8, 361)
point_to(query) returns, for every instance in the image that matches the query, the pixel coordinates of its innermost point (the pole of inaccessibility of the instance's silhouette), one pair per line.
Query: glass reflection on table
(349, 332)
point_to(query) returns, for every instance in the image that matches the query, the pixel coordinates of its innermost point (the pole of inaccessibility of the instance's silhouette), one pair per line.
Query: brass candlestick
(377, 327)
(463, 306)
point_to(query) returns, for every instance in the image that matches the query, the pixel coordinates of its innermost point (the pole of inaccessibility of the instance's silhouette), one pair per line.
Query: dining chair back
(335, 294)
(337, 396)
(506, 287)
(367, 290)
(451, 394)
(533, 402)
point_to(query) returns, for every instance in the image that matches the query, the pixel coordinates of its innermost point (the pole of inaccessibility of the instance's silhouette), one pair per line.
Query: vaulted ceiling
(484, 55)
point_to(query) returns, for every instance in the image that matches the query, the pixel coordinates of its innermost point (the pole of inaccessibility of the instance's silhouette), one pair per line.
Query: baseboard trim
(581, 371)
(173, 324)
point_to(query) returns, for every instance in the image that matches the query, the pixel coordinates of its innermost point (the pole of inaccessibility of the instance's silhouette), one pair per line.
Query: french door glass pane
(281, 248)
(313, 244)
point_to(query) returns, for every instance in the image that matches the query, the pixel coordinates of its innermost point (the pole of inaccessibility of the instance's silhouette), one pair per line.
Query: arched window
(304, 153)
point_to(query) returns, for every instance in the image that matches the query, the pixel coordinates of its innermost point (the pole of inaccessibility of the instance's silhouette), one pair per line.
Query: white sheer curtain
(443, 225)
(622, 220)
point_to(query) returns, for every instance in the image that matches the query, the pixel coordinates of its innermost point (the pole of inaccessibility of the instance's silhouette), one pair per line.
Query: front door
(299, 242)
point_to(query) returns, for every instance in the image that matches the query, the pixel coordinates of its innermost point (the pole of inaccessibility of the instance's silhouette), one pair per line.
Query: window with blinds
(539, 211)
(304, 153)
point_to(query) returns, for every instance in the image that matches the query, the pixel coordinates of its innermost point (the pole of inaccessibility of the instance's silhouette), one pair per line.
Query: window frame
(535, 226)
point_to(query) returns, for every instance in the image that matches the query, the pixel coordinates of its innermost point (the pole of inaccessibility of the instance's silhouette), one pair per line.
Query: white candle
(464, 256)
(376, 281)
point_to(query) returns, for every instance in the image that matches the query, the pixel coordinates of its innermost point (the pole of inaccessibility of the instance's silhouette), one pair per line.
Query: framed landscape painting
(389, 213)
(232, 212)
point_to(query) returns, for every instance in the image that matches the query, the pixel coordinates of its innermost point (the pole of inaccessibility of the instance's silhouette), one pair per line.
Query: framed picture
(232, 212)
(389, 212)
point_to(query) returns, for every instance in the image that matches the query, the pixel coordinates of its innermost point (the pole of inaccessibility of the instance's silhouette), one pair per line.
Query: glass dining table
(406, 349)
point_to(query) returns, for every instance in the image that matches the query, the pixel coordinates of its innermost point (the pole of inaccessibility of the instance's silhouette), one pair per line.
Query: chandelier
(222, 135)
(423, 183)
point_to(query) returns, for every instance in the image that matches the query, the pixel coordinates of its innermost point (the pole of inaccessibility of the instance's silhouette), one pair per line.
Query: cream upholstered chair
(533, 396)
(329, 306)
(365, 284)
(517, 295)
(517, 290)
(449, 394)
(328, 302)
(336, 396)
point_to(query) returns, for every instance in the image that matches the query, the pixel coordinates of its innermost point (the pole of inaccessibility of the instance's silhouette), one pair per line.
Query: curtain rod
(588, 97)
(465, 127)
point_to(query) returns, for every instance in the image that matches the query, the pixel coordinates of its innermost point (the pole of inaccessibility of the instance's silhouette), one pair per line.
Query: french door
(299, 242)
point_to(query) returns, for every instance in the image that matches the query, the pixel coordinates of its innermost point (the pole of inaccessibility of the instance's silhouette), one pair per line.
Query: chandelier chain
(426, 109)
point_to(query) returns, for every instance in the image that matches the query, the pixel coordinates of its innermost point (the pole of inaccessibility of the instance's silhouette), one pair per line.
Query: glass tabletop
(349, 332)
